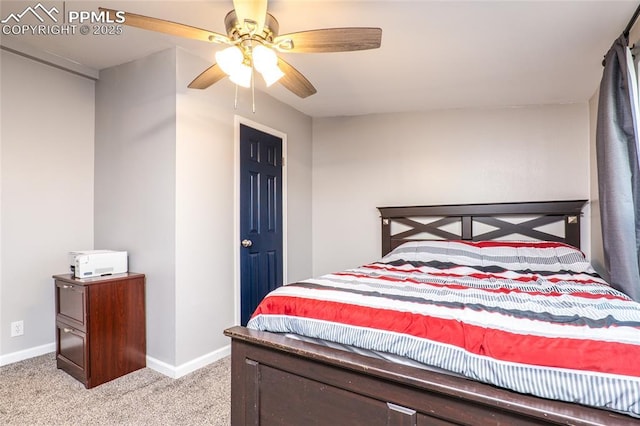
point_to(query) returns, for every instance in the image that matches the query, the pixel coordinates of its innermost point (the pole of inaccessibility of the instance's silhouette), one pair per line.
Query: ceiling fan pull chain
(253, 88)
(235, 101)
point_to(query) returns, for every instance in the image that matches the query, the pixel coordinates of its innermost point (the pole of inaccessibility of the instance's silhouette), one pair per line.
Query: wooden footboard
(281, 381)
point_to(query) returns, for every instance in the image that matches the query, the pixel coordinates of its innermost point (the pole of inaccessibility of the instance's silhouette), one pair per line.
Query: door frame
(238, 120)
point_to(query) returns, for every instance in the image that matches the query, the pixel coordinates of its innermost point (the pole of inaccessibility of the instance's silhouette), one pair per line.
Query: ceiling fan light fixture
(265, 61)
(263, 57)
(272, 74)
(230, 59)
(241, 76)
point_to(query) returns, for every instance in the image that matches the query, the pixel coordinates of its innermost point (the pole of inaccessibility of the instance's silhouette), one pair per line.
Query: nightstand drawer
(72, 351)
(71, 303)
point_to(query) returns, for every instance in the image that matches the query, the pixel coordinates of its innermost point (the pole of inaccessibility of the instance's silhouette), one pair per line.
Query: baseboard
(172, 371)
(176, 372)
(27, 353)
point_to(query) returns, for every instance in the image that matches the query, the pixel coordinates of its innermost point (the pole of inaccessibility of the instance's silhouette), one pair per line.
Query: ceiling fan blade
(249, 12)
(211, 75)
(168, 27)
(330, 40)
(294, 81)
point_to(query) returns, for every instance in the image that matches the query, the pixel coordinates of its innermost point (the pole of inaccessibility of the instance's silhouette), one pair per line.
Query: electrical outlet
(17, 328)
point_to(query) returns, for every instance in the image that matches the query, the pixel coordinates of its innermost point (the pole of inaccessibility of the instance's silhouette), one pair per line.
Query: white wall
(46, 205)
(439, 157)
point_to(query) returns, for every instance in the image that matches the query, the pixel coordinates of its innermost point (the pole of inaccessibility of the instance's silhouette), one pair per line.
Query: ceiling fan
(253, 40)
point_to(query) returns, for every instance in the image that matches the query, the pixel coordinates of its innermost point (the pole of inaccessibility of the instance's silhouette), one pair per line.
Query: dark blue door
(260, 217)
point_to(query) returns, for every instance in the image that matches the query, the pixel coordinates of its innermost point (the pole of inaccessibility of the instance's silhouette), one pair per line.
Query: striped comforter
(531, 317)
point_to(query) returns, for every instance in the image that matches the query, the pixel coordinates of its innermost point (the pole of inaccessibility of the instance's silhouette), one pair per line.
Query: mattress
(531, 317)
(371, 354)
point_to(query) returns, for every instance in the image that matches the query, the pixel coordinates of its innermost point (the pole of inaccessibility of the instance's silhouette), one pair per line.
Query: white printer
(95, 263)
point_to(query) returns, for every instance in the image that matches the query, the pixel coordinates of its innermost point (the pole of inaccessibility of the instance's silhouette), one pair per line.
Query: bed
(301, 373)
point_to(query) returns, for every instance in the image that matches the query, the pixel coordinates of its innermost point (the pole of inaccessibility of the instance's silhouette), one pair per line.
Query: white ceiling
(434, 54)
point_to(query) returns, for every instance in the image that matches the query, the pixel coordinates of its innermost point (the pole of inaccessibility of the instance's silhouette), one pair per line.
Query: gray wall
(205, 240)
(135, 183)
(438, 157)
(46, 194)
(165, 192)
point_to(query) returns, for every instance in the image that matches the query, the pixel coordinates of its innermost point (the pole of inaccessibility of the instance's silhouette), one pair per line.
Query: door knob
(246, 243)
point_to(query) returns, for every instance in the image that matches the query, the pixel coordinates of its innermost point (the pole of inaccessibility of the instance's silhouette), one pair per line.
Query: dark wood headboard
(495, 215)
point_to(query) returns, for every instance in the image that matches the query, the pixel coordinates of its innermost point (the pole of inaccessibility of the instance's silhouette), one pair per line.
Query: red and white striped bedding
(531, 317)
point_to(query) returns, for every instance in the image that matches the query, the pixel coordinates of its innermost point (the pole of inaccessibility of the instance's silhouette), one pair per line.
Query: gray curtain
(618, 173)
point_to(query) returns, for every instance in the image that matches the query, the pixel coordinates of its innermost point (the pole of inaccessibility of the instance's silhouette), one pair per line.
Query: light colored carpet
(35, 392)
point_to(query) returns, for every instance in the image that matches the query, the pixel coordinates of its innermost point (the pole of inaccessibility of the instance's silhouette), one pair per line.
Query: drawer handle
(67, 330)
(67, 286)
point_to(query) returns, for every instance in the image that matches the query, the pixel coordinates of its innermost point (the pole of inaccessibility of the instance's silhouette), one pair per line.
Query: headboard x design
(461, 221)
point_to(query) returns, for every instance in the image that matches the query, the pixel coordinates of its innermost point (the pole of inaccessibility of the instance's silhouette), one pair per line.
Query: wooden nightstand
(100, 326)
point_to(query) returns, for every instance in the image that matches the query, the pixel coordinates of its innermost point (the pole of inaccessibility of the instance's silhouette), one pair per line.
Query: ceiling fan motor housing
(236, 30)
